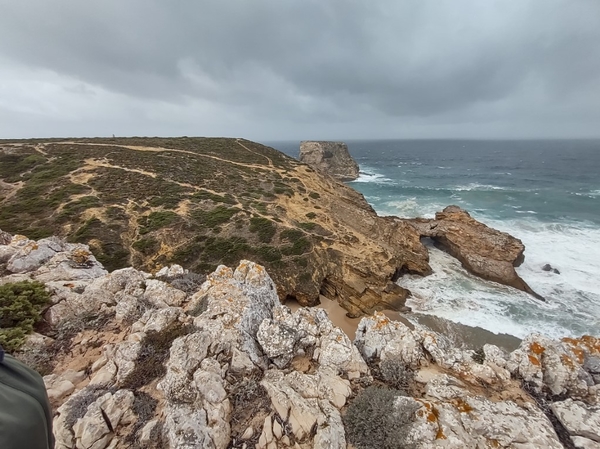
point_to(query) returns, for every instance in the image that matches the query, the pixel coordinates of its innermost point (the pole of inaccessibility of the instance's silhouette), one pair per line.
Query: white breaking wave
(477, 186)
(409, 208)
(458, 296)
(373, 177)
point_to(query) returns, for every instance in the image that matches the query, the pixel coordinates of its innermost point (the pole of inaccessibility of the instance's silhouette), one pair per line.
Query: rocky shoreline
(169, 360)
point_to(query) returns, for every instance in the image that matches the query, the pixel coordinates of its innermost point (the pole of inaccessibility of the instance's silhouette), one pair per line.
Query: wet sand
(462, 336)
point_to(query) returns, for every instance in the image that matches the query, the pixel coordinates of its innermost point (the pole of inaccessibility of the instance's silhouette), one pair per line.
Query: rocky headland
(199, 202)
(330, 158)
(173, 360)
(483, 251)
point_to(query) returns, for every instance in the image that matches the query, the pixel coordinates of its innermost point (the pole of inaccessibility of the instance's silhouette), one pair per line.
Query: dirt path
(254, 152)
(160, 149)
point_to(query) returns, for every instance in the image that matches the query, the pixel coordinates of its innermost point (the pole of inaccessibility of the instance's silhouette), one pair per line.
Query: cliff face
(199, 202)
(168, 361)
(331, 158)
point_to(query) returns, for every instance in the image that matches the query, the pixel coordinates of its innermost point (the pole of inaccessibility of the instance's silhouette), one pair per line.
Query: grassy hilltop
(198, 202)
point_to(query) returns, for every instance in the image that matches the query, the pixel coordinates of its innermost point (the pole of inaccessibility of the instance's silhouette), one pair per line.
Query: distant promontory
(331, 158)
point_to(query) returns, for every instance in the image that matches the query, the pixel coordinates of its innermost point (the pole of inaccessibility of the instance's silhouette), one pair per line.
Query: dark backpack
(25, 416)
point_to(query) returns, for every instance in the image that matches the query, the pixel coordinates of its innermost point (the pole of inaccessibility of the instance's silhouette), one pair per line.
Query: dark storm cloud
(278, 68)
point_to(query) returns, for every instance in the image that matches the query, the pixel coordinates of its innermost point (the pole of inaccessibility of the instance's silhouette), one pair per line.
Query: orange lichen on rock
(494, 443)
(536, 348)
(591, 344)
(462, 406)
(440, 435)
(567, 361)
(381, 321)
(534, 360)
(580, 354)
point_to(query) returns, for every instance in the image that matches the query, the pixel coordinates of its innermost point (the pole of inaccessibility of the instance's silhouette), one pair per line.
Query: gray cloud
(271, 69)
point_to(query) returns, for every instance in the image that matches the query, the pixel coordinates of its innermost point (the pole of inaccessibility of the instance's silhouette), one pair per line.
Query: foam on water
(452, 293)
(573, 296)
(370, 176)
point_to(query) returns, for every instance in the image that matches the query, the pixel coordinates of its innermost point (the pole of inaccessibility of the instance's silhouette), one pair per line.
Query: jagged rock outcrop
(331, 158)
(455, 412)
(132, 361)
(483, 251)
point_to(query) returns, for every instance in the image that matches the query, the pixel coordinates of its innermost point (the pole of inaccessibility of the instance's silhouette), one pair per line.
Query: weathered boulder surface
(483, 251)
(331, 158)
(135, 362)
(455, 412)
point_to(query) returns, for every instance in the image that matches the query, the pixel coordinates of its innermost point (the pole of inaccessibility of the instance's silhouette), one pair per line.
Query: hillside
(201, 202)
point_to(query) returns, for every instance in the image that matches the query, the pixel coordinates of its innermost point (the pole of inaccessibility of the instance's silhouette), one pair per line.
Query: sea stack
(331, 158)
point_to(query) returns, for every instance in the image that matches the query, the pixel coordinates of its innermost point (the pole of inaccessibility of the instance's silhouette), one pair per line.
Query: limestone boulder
(580, 419)
(451, 416)
(558, 366)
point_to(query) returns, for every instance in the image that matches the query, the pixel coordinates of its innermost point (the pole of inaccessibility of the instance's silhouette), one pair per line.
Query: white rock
(163, 294)
(580, 419)
(584, 443)
(31, 255)
(172, 271)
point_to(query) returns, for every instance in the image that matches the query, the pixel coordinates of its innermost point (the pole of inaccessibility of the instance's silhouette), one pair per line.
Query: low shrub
(396, 374)
(263, 227)
(479, 356)
(150, 362)
(189, 282)
(373, 422)
(21, 306)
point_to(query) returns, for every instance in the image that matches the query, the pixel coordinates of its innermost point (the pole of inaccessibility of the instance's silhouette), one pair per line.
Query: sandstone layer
(133, 361)
(483, 251)
(331, 158)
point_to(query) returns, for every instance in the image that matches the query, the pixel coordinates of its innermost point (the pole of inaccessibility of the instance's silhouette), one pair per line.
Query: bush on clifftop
(373, 422)
(21, 305)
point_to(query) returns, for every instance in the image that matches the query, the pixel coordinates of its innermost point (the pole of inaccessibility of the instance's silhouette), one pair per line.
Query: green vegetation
(12, 166)
(157, 220)
(314, 195)
(307, 226)
(73, 208)
(169, 196)
(146, 246)
(21, 305)
(373, 421)
(204, 195)
(299, 247)
(291, 234)
(263, 227)
(311, 215)
(396, 374)
(214, 217)
(111, 253)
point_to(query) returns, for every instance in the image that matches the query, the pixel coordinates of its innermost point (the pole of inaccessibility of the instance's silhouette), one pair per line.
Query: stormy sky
(300, 69)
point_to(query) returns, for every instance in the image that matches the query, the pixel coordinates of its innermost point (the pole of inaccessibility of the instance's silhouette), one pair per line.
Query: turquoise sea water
(547, 193)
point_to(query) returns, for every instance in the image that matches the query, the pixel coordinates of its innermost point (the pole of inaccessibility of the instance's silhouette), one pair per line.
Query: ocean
(546, 193)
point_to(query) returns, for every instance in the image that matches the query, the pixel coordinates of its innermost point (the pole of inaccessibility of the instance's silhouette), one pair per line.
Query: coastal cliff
(201, 202)
(331, 158)
(173, 360)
